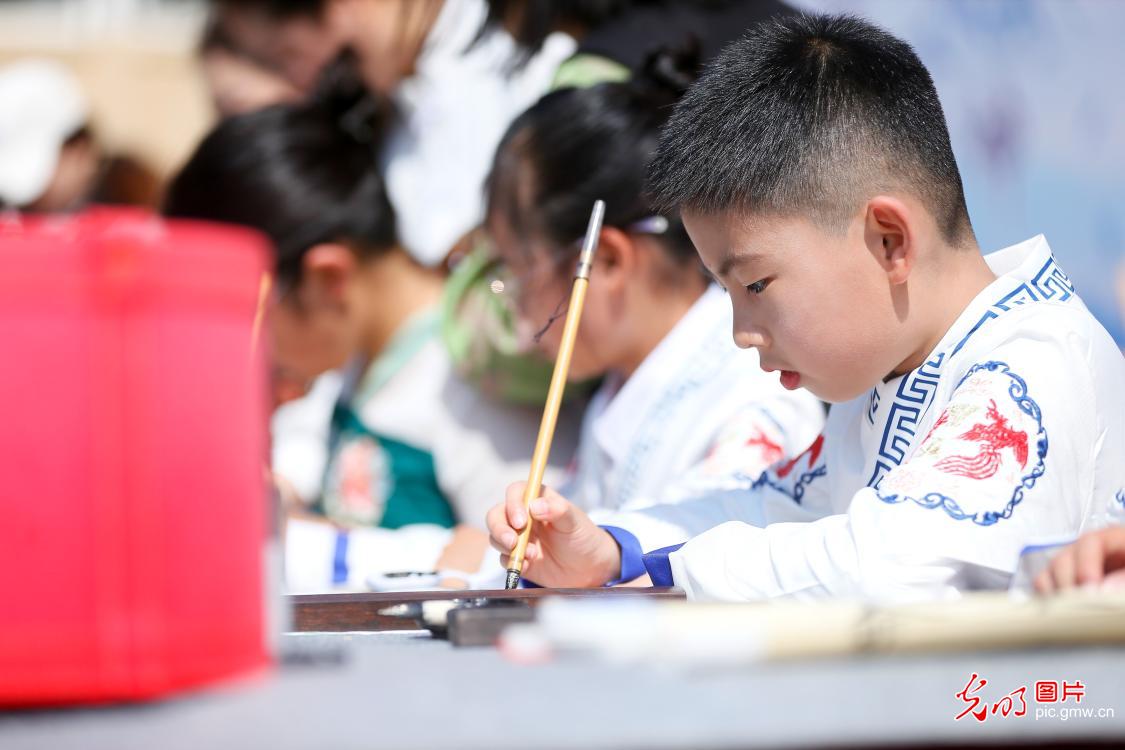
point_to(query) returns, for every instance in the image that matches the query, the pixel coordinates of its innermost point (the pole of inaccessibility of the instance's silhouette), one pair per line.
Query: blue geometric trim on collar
(915, 392)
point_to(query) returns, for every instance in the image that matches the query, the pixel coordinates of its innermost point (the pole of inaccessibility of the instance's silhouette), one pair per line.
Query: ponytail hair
(577, 145)
(303, 174)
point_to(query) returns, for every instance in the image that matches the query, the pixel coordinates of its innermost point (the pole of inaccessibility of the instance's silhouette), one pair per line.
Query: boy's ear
(326, 271)
(616, 258)
(889, 237)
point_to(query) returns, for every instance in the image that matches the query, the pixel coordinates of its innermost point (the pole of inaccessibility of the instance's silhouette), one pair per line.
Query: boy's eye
(758, 286)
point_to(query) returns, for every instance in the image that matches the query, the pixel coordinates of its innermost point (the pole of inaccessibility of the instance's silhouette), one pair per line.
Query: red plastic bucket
(133, 509)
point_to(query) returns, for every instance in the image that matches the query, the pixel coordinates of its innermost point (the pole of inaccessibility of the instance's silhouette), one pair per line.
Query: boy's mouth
(790, 379)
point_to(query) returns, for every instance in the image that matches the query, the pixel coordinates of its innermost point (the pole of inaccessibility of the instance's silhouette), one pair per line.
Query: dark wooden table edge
(359, 611)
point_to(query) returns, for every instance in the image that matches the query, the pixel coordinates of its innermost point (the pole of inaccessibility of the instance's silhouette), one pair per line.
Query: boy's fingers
(1062, 570)
(1094, 559)
(1113, 547)
(542, 510)
(558, 511)
(1089, 555)
(513, 501)
(504, 544)
(1114, 580)
(495, 520)
(500, 535)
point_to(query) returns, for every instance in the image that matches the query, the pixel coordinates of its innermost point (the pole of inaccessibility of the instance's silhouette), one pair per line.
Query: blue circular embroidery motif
(1017, 389)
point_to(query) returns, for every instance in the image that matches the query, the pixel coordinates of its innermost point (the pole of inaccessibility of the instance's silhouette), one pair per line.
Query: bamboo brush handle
(550, 417)
(555, 392)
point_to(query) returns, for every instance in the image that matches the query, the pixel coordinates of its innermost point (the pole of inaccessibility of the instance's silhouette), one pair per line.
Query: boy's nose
(750, 338)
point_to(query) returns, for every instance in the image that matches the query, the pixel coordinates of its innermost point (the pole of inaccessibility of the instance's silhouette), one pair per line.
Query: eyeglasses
(514, 286)
(517, 288)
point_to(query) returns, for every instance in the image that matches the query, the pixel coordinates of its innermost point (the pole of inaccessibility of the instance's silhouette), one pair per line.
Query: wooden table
(337, 613)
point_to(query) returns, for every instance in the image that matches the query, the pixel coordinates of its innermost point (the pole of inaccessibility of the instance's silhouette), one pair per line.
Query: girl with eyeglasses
(681, 410)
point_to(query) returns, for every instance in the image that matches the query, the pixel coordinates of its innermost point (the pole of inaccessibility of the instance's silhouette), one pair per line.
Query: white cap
(41, 106)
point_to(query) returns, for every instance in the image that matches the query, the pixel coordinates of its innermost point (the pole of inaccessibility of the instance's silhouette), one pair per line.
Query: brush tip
(513, 580)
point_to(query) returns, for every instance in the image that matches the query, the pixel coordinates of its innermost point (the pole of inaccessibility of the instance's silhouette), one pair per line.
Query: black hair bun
(669, 71)
(342, 94)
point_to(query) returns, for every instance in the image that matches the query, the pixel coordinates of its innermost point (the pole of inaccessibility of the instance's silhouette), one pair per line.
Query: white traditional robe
(1012, 432)
(451, 113)
(696, 414)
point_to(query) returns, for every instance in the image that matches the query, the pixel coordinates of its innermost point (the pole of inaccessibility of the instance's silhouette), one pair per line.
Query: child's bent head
(571, 148)
(306, 175)
(813, 168)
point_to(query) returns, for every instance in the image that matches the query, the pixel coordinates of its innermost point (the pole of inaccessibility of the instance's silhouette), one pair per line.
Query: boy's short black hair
(810, 114)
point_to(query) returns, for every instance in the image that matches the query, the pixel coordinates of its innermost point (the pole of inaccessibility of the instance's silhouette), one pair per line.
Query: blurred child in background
(616, 37)
(50, 158)
(410, 443)
(236, 82)
(453, 102)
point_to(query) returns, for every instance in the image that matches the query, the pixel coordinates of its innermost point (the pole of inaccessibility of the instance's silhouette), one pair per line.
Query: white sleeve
(756, 437)
(953, 517)
(790, 490)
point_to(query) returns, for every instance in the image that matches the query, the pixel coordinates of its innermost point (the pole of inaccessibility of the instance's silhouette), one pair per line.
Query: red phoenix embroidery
(940, 421)
(771, 451)
(993, 437)
(813, 452)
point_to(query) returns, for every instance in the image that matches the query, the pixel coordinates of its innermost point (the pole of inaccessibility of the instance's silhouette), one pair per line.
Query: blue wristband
(632, 565)
(659, 567)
